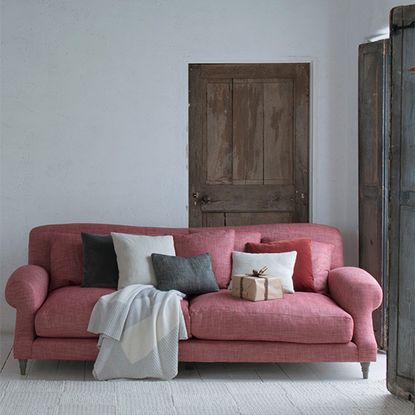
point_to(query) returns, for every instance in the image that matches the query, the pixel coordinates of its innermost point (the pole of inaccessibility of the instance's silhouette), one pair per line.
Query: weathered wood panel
(248, 143)
(278, 132)
(197, 111)
(257, 218)
(219, 132)
(214, 219)
(406, 292)
(248, 127)
(401, 346)
(302, 128)
(374, 61)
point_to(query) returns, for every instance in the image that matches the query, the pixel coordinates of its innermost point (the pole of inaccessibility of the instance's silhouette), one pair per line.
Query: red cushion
(66, 260)
(217, 243)
(321, 258)
(67, 310)
(303, 269)
(298, 318)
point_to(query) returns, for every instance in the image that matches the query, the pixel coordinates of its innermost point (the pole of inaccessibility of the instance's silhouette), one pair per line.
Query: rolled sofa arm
(358, 293)
(26, 291)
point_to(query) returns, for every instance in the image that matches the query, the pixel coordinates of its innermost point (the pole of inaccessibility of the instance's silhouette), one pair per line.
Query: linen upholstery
(40, 237)
(298, 318)
(66, 260)
(218, 244)
(241, 237)
(196, 350)
(358, 293)
(67, 310)
(26, 290)
(321, 254)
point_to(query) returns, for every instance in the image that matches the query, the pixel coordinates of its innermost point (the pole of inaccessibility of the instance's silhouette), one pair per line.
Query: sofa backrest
(41, 237)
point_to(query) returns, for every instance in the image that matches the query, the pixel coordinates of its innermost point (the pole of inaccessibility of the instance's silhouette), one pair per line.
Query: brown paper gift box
(253, 288)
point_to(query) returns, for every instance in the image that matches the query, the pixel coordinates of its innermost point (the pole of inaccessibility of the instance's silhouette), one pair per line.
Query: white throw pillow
(134, 256)
(279, 265)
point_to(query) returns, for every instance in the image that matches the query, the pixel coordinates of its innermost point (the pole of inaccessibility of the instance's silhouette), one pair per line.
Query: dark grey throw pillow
(100, 261)
(191, 276)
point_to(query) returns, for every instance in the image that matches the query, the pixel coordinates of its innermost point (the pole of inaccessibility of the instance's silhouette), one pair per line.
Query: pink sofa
(303, 327)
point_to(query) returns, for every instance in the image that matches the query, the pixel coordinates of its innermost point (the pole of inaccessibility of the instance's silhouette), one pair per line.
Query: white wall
(94, 105)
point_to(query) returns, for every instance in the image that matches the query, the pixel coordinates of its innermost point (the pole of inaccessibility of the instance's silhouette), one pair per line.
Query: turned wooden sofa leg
(365, 369)
(23, 365)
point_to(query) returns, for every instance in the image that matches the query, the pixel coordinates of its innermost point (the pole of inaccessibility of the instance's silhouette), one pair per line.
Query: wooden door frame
(312, 128)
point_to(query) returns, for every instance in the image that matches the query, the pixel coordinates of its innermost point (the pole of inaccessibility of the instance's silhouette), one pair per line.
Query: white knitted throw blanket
(140, 328)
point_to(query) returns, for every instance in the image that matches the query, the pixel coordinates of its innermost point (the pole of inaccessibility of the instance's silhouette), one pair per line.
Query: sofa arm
(358, 293)
(27, 288)
(26, 291)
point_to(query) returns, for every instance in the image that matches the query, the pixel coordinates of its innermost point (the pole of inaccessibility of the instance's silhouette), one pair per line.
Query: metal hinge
(395, 28)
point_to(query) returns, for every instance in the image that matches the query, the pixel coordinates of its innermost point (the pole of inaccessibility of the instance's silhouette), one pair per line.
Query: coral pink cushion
(241, 237)
(217, 243)
(67, 310)
(298, 318)
(303, 270)
(321, 259)
(66, 260)
(321, 254)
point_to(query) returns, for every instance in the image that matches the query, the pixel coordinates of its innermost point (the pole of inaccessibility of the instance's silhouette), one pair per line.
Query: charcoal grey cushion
(191, 275)
(100, 261)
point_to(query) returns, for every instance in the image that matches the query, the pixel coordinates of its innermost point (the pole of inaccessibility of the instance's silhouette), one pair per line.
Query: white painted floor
(333, 382)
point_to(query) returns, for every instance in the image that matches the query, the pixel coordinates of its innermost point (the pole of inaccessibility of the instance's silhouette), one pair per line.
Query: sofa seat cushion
(300, 317)
(67, 310)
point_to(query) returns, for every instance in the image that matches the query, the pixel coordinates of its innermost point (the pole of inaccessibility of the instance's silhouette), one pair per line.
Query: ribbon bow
(260, 273)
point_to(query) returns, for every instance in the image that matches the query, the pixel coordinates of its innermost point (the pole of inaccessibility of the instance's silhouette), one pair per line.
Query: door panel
(401, 346)
(257, 218)
(374, 64)
(278, 132)
(248, 144)
(219, 132)
(406, 318)
(248, 127)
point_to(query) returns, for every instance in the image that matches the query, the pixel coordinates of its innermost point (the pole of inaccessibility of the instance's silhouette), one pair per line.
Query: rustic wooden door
(248, 143)
(401, 347)
(374, 90)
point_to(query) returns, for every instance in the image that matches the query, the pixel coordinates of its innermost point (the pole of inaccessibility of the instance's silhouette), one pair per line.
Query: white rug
(199, 398)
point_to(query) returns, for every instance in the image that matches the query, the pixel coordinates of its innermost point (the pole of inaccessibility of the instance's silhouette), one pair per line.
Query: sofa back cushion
(321, 258)
(303, 271)
(100, 261)
(321, 254)
(42, 237)
(241, 237)
(218, 244)
(134, 256)
(66, 260)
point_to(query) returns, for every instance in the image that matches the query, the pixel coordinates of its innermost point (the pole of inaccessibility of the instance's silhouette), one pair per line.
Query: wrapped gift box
(257, 288)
